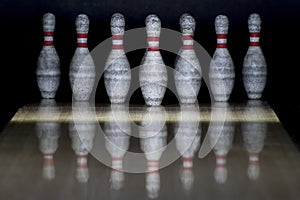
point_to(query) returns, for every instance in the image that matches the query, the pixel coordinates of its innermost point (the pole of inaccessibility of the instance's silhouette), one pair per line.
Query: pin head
(221, 24)
(187, 24)
(82, 23)
(117, 24)
(153, 25)
(254, 22)
(48, 22)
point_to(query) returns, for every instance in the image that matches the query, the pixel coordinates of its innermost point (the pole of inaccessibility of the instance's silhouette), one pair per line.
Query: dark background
(22, 39)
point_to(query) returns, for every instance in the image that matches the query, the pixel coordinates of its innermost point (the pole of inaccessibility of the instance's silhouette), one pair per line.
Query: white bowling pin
(221, 72)
(117, 74)
(187, 74)
(48, 65)
(82, 137)
(48, 133)
(254, 134)
(153, 141)
(188, 133)
(254, 66)
(223, 143)
(117, 131)
(153, 73)
(82, 67)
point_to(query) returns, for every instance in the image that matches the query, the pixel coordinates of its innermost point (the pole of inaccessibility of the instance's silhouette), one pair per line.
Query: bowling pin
(223, 135)
(187, 74)
(221, 71)
(117, 132)
(48, 133)
(153, 73)
(254, 134)
(117, 74)
(153, 141)
(254, 66)
(188, 133)
(48, 65)
(82, 67)
(82, 137)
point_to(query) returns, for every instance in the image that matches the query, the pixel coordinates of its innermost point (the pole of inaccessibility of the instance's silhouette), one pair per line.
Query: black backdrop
(22, 39)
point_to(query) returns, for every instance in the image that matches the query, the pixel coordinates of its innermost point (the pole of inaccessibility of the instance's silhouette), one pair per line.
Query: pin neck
(82, 40)
(253, 158)
(117, 42)
(117, 164)
(221, 41)
(188, 42)
(48, 159)
(153, 166)
(221, 161)
(81, 161)
(48, 38)
(187, 163)
(254, 38)
(153, 43)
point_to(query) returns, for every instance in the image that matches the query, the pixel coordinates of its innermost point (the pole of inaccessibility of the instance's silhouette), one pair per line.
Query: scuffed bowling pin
(187, 74)
(117, 131)
(48, 65)
(254, 66)
(223, 135)
(221, 71)
(153, 141)
(82, 133)
(188, 133)
(254, 134)
(117, 74)
(48, 132)
(153, 73)
(82, 67)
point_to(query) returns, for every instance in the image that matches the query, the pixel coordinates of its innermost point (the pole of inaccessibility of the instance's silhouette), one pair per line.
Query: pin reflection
(48, 132)
(188, 133)
(254, 134)
(153, 140)
(82, 134)
(223, 142)
(117, 131)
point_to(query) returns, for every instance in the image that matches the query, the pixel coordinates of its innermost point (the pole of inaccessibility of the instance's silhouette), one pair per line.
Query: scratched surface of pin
(117, 74)
(48, 65)
(153, 73)
(221, 71)
(187, 74)
(254, 65)
(82, 67)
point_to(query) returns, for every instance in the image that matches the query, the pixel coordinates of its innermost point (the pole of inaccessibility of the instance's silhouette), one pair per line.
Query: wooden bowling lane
(42, 158)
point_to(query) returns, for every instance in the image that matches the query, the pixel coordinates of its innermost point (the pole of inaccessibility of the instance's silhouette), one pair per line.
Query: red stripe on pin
(153, 39)
(82, 165)
(82, 35)
(254, 162)
(153, 48)
(187, 168)
(48, 43)
(188, 47)
(221, 36)
(221, 157)
(117, 37)
(187, 159)
(117, 46)
(253, 44)
(221, 165)
(82, 45)
(48, 34)
(187, 37)
(222, 45)
(254, 34)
